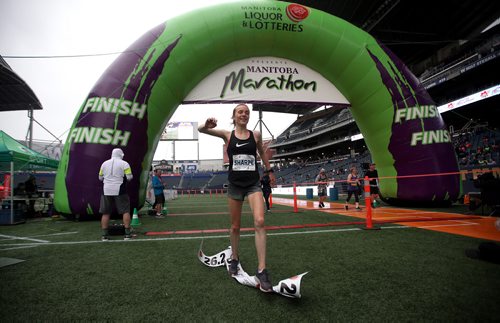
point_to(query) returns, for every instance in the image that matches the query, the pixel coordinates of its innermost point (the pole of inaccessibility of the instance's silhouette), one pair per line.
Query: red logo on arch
(297, 12)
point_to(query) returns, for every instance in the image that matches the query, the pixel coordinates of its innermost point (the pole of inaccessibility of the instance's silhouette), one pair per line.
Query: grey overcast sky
(89, 27)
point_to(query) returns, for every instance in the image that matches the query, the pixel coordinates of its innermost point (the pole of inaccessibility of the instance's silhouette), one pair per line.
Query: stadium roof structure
(414, 30)
(286, 107)
(294, 108)
(15, 94)
(421, 33)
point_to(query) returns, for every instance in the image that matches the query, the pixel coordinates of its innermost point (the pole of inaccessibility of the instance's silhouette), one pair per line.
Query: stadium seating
(218, 180)
(171, 181)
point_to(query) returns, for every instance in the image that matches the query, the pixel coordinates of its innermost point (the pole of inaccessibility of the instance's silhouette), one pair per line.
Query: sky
(89, 27)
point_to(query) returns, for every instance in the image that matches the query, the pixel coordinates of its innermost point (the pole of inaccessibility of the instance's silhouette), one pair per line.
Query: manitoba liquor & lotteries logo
(272, 17)
(297, 12)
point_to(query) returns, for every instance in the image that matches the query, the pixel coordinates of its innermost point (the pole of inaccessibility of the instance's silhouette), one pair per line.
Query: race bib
(243, 163)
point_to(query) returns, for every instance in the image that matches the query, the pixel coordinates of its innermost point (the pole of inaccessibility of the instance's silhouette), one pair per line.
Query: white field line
(177, 238)
(465, 222)
(445, 225)
(403, 217)
(56, 234)
(396, 211)
(65, 243)
(22, 238)
(21, 247)
(431, 226)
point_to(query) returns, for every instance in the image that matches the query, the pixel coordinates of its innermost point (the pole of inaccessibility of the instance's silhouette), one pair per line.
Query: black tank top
(353, 186)
(242, 155)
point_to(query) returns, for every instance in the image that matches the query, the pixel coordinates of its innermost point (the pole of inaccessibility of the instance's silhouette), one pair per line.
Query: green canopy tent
(14, 157)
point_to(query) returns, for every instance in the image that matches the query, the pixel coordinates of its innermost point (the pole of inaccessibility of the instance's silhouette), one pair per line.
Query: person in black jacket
(265, 183)
(373, 176)
(30, 186)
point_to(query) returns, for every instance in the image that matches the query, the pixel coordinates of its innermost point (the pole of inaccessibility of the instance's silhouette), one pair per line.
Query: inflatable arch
(132, 102)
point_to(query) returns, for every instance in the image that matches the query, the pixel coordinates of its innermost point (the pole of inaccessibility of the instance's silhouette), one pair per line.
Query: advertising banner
(264, 79)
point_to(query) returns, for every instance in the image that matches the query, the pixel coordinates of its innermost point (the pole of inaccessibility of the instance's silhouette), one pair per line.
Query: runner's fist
(211, 123)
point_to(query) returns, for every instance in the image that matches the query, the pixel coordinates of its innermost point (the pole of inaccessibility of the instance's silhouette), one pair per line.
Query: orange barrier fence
(341, 186)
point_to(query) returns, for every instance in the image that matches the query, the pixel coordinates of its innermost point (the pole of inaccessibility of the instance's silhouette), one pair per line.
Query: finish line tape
(289, 287)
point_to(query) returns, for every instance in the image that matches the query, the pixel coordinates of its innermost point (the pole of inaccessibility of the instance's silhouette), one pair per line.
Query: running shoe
(264, 281)
(159, 216)
(127, 237)
(358, 208)
(346, 207)
(104, 238)
(233, 267)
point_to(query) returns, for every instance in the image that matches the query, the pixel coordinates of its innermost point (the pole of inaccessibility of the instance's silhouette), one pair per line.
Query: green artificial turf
(393, 274)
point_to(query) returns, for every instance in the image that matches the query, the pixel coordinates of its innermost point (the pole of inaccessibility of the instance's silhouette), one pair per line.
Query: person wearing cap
(322, 181)
(158, 188)
(373, 176)
(112, 174)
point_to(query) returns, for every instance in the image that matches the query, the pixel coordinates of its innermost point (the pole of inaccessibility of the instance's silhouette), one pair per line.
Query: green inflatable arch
(133, 100)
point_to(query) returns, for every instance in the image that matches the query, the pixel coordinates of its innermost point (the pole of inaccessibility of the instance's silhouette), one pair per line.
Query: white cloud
(62, 27)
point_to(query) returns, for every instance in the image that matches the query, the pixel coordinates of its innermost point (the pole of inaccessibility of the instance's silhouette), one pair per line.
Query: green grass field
(393, 274)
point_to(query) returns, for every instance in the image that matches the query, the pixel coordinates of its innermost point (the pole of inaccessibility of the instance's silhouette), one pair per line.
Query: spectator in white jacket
(112, 174)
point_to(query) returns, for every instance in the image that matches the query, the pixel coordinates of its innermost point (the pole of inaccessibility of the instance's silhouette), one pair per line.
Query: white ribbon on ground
(289, 287)
(217, 260)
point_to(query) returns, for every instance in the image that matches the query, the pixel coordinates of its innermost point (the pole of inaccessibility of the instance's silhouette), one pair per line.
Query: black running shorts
(122, 203)
(238, 193)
